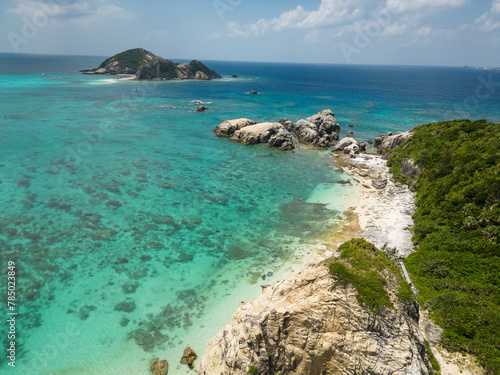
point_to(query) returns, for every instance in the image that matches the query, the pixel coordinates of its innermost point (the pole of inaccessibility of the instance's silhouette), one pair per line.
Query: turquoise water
(136, 231)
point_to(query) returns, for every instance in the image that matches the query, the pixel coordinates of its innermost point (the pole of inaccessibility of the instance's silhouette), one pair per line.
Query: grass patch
(367, 269)
(430, 356)
(457, 231)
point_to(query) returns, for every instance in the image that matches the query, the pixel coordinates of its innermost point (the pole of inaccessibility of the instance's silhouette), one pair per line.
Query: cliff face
(147, 65)
(312, 324)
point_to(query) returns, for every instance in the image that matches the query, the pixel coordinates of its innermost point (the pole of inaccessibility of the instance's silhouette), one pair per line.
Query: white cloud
(329, 13)
(490, 21)
(400, 6)
(423, 31)
(395, 29)
(70, 13)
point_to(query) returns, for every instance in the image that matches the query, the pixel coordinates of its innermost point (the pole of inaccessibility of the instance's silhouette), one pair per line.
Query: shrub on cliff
(369, 270)
(456, 230)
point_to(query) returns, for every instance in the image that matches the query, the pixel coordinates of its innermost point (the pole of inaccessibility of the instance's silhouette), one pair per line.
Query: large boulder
(320, 130)
(392, 141)
(311, 324)
(282, 140)
(381, 138)
(260, 133)
(228, 127)
(349, 146)
(159, 367)
(188, 357)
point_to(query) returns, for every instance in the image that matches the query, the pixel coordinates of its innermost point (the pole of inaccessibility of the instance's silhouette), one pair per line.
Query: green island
(146, 65)
(456, 266)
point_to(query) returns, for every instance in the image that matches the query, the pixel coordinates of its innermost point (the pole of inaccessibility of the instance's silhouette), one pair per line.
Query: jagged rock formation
(387, 141)
(266, 132)
(320, 130)
(311, 324)
(349, 146)
(146, 65)
(228, 127)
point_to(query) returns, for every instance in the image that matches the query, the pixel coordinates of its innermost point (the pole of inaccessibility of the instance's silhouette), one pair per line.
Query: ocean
(134, 231)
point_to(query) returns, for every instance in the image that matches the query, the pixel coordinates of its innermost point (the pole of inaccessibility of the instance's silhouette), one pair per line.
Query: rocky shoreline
(308, 323)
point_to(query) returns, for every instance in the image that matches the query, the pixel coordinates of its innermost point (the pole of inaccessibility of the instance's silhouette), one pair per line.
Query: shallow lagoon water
(136, 231)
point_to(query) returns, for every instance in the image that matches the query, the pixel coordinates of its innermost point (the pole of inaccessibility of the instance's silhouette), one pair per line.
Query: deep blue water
(136, 231)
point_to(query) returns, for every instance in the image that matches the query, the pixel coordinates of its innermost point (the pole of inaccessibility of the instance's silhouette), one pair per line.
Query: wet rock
(228, 127)
(188, 357)
(159, 367)
(125, 306)
(201, 109)
(253, 92)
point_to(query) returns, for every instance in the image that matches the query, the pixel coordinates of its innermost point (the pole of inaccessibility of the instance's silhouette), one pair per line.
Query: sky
(390, 32)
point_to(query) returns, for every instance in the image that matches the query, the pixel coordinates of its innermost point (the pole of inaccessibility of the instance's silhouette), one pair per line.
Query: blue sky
(406, 32)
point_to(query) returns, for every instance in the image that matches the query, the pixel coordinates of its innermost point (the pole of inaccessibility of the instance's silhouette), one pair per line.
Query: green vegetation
(132, 58)
(456, 228)
(253, 370)
(430, 355)
(367, 268)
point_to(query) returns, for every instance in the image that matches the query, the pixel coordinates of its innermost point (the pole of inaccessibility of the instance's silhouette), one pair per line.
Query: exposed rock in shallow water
(228, 127)
(188, 357)
(320, 130)
(309, 324)
(159, 367)
(262, 133)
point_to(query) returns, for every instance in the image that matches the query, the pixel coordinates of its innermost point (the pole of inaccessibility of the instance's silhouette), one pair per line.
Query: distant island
(146, 65)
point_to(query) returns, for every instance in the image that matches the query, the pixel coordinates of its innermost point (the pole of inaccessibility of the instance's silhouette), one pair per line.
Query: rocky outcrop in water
(159, 367)
(147, 65)
(188, 357)
(228, 127)
(266, 132)
(320, 130)
(310, 324)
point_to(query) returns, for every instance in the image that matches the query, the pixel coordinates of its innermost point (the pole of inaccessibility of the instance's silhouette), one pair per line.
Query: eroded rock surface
(266, 132)
(320, 130)
(387, 141)
(228, 127)
(306, 324)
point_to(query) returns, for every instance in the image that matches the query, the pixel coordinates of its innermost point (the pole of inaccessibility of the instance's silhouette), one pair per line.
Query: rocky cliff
(146, 65)
(328, 319)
